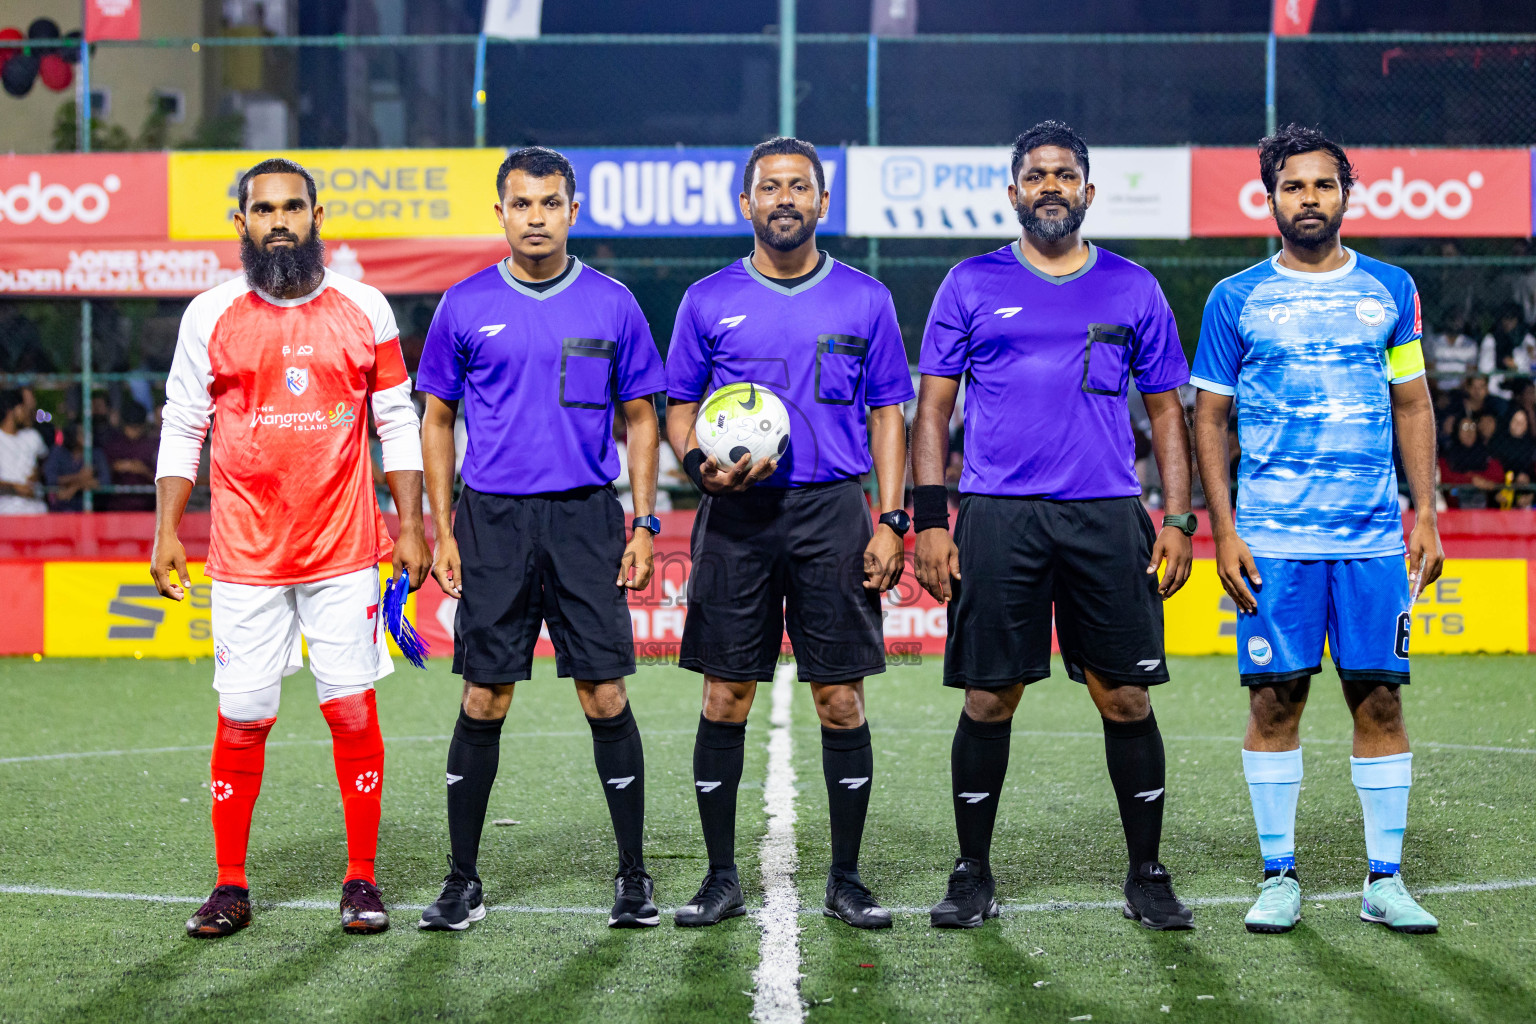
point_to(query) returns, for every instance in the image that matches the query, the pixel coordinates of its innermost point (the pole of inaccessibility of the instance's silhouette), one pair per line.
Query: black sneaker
(970, 899)
(632, 906)
(850, 901)
(362, 908)
(1149, 899)
(227, 910)
(717, 899)
(461, 904)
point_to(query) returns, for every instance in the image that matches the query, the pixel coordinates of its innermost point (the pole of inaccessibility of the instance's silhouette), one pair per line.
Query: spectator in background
(1526, 497)
(20, 449)
(1452, 350)
(1514, 446)
(1487, 428)
(1506, 350)
(131, 450)
(1470, 467)
(1522, 395)
(1473, 399)
(67, 475)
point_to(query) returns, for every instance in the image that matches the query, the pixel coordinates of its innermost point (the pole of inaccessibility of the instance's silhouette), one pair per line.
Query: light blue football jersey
(1310, 359)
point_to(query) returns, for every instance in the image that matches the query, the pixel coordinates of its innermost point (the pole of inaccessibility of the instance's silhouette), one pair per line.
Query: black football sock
(473, 754)
(621, 769)
(718, 753)
(978, 763)
(848, 763)
(1134, 751)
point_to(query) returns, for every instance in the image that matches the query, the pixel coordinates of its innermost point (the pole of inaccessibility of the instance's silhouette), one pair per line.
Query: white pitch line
(1009, 909)
(776, 993)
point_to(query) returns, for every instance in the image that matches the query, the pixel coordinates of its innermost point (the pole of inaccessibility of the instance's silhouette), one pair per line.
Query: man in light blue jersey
(1320, 348)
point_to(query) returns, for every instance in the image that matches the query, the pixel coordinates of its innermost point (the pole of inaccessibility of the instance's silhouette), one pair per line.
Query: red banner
(1293, 17)
(96, 196)
(1427, 193)
(111, 19)
(154, 267)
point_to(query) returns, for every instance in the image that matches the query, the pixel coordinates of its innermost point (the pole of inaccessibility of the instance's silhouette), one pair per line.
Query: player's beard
(1050, 229)
(284, 271)
(783, 241)
(1314, 236)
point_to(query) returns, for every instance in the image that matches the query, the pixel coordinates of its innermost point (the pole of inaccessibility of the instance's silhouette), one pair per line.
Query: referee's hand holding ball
(736, 478)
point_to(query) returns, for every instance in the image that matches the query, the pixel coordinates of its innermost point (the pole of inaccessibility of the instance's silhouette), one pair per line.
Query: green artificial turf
(137, 823)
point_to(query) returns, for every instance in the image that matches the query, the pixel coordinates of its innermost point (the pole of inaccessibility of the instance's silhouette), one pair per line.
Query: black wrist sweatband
(930, 507)
(693, 465)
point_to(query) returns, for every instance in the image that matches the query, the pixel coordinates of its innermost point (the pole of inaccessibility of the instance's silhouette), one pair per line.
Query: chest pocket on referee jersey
(586, 372)
(839, 368)
(1107, 360)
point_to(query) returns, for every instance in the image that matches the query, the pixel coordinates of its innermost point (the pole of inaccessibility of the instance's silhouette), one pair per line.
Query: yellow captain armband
(1405, 361)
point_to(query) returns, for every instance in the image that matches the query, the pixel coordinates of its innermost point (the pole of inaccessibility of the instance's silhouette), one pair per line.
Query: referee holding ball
(539, 348)
(788, 542)
(1047, 332)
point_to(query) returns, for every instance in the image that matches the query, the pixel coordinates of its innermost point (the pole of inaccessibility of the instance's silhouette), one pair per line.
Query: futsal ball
(743, 419)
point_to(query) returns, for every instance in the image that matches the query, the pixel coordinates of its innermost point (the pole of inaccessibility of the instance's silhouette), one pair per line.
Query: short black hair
(274, 165)
(539, 162)
(10, 398)
(1294, 140)
(1049, 133)
(782, 145)
(132, 413)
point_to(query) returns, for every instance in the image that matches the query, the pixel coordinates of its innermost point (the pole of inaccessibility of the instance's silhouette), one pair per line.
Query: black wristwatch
(898, 521)
(647, 523)
(1185, 523)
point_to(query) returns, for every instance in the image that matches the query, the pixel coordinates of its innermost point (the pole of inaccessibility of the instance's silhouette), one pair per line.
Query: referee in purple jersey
(1048, 332)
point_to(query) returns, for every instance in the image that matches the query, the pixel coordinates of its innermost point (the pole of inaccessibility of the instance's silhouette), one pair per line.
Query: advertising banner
(1428, 193)
(962, 192)
(662, 191)
(157, 268)
(98, 196)
(367, 193)
(111, 19)
(112, 610)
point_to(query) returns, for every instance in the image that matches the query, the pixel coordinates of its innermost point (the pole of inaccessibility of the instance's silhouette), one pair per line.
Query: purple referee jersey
(539, 373)
(829, 347)
(1047, 361)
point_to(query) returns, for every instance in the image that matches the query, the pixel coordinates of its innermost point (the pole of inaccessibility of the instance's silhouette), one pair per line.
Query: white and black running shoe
(461, 904)
(632, 904)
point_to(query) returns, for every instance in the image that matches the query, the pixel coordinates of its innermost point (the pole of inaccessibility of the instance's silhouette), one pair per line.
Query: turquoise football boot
(1278, 907)
(1386, 901)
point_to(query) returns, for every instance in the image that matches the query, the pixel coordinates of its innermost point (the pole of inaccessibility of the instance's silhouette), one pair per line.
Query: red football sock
(359, 751)
(239, 752)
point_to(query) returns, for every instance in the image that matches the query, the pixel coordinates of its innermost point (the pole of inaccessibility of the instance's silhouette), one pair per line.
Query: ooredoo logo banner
(82, 196)
(1403, 192)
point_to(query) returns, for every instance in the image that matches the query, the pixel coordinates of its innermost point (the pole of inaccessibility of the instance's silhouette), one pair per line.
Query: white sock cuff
(252, 705)
(1394, 771)
(1272, 766)
(333, 691)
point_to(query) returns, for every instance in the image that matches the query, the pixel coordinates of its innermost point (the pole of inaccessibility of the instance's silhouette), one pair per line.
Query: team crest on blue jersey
(298, 379)
(1259, 651)
(1371, 312)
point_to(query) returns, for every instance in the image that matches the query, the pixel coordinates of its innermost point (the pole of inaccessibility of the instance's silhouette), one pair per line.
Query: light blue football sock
(1382, 783)
(1274, 784)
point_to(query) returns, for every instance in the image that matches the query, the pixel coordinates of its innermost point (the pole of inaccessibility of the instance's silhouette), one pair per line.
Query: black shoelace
(855, 893)
(962, 886)
(714, 889)
(223, 899)
(1160, 892)
(632, 886)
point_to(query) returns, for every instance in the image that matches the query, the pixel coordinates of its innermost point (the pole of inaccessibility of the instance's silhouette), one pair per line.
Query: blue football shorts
(1360, 605)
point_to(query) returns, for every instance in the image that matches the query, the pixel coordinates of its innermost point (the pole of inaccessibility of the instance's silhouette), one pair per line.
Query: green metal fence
(1217, 89)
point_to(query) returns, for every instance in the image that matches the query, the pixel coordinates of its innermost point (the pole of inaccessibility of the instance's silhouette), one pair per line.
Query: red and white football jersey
(286, 382)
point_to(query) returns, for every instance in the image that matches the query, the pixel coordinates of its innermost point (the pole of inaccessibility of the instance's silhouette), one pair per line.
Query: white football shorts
(258, 632)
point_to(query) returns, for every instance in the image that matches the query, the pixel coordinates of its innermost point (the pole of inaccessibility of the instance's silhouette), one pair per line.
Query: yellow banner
(1477, 606)
(367, 193)
(112, 610)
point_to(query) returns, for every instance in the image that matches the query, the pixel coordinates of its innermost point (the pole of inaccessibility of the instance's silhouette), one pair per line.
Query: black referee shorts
(774, 559)
(541, 558)
(1018, 557)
